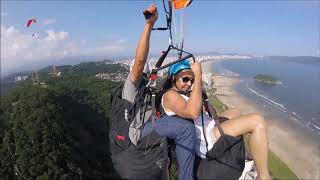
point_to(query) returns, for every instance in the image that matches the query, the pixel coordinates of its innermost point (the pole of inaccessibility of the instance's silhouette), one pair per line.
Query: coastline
(298, 149)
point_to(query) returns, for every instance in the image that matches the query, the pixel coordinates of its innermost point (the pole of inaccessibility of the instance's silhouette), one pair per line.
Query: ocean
(296, 99)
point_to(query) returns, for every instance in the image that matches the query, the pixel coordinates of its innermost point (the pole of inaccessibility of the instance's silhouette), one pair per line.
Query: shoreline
(296, 148)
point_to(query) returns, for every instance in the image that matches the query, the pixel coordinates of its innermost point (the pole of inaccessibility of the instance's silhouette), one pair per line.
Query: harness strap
(203, 130)
(153, 102)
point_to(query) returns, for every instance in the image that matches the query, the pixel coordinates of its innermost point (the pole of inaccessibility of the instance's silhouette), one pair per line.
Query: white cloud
(83, 42)
(4, 14)
(19, 49)
(115, 46)
(49, 21)
(108, 48)
(121, 41)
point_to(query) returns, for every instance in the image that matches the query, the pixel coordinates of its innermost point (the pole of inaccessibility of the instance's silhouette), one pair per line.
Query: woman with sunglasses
(179, 100)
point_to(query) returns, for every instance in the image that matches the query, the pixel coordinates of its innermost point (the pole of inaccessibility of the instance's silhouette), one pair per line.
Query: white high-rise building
(207, 78)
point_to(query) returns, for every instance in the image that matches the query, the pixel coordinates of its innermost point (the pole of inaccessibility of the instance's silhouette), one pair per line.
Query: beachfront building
(207, 79)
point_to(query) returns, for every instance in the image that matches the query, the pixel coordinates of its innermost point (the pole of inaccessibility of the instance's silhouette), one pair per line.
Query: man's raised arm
(143, 47)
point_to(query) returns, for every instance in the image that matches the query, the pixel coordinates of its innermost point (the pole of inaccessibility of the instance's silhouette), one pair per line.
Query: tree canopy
(58, 131)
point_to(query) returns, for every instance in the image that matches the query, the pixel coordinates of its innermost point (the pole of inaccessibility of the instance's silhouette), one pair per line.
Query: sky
(67, 32)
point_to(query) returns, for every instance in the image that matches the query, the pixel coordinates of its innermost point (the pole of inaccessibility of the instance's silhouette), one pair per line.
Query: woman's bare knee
(259, 121)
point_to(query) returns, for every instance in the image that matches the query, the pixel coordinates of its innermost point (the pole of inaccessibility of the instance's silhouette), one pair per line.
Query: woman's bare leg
(230, 113)
(258, 141)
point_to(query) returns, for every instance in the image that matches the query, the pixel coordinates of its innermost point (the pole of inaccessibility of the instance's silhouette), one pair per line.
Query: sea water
(296, 98)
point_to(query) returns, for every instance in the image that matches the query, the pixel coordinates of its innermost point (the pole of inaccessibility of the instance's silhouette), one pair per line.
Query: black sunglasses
(187, 79)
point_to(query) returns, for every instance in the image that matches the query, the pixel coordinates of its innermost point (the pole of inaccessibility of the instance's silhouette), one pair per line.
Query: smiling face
(184, 80)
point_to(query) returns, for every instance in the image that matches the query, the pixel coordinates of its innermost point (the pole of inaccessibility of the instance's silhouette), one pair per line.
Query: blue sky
(89, 30)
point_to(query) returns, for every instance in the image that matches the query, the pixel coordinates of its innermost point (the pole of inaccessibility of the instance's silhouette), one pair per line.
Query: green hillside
(57, 131)
(46, 74)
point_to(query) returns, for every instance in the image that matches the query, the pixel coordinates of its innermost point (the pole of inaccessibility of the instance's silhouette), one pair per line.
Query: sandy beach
(297, 148)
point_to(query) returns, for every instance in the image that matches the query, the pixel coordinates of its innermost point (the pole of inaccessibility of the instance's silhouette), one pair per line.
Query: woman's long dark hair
(167, 84)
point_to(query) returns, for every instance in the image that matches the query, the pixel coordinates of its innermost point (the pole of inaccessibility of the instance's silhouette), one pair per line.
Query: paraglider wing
(179, 4)
(30, 21)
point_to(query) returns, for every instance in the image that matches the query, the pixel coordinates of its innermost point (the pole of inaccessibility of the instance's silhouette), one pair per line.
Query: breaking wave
(269, 101)
(293, 115)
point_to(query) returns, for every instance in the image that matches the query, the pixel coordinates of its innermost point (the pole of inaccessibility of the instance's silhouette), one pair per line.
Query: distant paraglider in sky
(31, 21)
(36, 78)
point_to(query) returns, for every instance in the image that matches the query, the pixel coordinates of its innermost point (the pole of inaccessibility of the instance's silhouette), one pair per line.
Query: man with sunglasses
(182, 131)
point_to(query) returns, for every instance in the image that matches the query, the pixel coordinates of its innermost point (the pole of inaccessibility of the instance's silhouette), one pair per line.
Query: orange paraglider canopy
(179, 4)
(30, 21)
